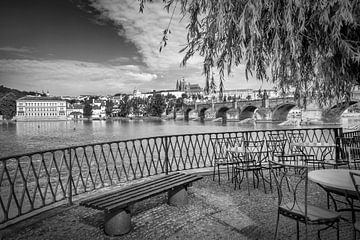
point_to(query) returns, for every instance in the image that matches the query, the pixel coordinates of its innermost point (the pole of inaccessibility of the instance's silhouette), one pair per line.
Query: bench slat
(124, 197)
(134, 191)
(139, 192)
(150, 194)
(128, 189)
(163, 187)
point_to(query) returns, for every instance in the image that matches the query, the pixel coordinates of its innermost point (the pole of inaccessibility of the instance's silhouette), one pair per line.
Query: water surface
(22, 137)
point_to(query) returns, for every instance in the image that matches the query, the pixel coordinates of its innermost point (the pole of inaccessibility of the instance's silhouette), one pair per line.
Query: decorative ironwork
(35, 180)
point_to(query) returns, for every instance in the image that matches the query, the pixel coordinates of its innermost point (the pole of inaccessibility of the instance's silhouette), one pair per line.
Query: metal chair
(292, 189)
(250, 162)
(298, 154)
(349, 151)
(220, 146)
(355, 177)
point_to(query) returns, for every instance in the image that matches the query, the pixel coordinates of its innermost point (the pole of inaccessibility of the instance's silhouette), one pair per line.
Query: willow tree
(310, 47)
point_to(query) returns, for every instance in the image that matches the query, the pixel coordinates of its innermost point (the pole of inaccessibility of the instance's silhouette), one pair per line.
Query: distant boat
(217, 119)
(354, 128)
(248, 121)
(291, 122)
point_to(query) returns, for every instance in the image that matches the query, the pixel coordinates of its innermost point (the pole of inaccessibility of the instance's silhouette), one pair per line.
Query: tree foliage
(109, 107)
(311, 47)
(8, 105)
(124, 105)
(137, 105)
(157, 105)
(87, 110)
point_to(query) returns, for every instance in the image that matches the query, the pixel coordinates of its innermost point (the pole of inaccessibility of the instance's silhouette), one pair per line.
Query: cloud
(15, 50)
(64, 77)
(146, 31)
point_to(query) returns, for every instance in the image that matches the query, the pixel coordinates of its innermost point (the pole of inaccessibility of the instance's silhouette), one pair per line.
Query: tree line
(153, 106)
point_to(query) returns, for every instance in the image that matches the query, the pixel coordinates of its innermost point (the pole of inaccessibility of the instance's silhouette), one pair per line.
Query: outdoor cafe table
(246, 155)
(325, 149)
(336, 181)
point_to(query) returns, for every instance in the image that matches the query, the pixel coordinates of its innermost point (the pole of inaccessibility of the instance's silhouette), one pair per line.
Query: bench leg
(178, 196)
(117, 223)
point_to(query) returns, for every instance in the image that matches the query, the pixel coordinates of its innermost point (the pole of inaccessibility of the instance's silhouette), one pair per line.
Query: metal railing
(351, 134)
(32, 181)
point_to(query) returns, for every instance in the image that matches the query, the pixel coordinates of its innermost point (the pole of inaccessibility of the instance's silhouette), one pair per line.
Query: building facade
(40, 108)
(74, 111)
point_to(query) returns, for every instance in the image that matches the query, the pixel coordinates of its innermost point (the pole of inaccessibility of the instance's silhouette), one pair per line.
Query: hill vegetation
(17, 93)
(8, 98)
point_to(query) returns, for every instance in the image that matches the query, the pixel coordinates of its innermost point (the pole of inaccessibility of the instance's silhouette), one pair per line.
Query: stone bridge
(273, 109)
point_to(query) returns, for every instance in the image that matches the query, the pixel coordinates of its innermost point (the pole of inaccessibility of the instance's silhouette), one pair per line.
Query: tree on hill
(87, 111)
(157, 105)
(109, 108)
(8, 105)
(137, 105)
(124, 105)
(309, 47)
(17, 93)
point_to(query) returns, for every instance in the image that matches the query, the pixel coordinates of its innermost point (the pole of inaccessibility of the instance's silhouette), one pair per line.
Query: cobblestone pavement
(214, 212)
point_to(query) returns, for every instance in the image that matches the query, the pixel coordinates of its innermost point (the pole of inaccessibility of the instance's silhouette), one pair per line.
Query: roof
(40, 98)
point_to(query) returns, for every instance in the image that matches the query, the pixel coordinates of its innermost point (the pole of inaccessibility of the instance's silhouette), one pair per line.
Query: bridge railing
(351, 134)
(34, 181)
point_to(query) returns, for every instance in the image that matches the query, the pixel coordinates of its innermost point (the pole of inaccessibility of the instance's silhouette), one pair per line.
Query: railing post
(166, 147)
(70, 180)
(338, 133)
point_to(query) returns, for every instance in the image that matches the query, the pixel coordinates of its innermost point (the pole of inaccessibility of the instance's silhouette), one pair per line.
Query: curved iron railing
(32, 181)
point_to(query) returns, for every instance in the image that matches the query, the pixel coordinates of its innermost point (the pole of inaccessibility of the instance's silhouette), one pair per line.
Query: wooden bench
(117, 204)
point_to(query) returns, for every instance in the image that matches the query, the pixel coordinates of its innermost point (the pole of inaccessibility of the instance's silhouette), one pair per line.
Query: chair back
(275, 147)
(349, 149)
(277, 135)
(292, 186)
(220, 144)
(254, 151)
(295, 137)
(355, 177)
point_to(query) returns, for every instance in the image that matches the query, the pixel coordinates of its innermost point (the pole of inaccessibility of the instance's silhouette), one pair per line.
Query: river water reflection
(23, 137)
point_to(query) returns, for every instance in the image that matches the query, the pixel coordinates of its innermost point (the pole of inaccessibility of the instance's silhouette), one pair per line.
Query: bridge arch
(186, 113)
(281, 111)
(177, 111)
(202, 113)
(334, 113)
(247, 112)
(221, 113)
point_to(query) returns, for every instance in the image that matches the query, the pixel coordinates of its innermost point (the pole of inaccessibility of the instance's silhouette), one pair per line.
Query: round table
(335, 180)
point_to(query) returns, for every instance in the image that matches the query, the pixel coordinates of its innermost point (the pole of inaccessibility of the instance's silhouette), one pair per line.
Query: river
(23, 137)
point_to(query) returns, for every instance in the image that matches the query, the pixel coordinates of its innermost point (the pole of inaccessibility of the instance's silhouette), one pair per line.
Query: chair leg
(228, 171)
(298, 231)
(277, 225)
(235, 178)
(218, 166)
(270, 181)
(214, 171)
(263, 179)
(247, 181)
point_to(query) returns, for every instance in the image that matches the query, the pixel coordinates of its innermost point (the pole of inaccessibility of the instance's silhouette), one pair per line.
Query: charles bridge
(272, 109)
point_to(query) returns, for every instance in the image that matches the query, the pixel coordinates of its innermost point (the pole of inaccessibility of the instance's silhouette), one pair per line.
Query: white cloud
(15, 50)
(146, 31)
(65, 77)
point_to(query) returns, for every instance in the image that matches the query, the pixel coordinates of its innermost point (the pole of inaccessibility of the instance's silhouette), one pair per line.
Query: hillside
(4, 91)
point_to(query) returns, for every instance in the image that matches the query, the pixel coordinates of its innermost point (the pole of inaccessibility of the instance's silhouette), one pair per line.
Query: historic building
(40, 108)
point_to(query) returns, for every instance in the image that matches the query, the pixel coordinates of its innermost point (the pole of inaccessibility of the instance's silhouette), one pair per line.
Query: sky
(100, 47)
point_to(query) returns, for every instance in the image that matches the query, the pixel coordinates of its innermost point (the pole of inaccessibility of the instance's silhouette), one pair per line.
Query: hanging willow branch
(311, 47)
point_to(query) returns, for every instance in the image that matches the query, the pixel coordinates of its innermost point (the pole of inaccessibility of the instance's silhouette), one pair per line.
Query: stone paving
(214, 212)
